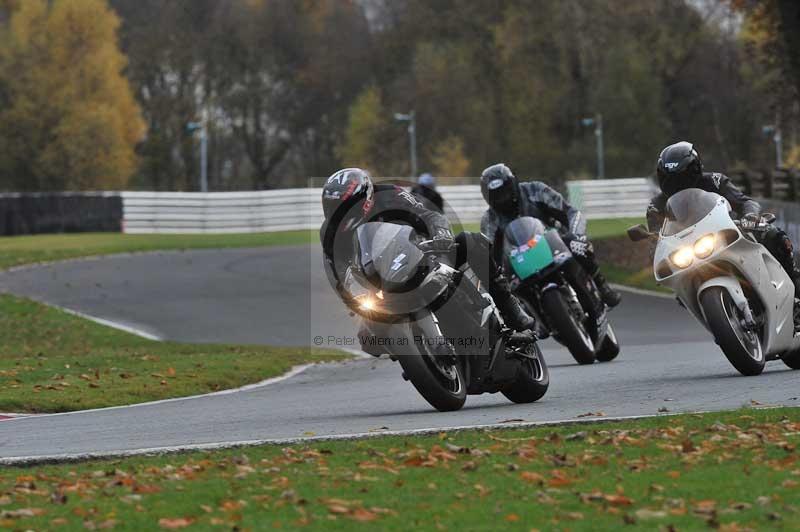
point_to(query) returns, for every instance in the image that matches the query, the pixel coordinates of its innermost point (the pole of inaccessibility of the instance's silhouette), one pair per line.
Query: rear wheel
(609, 349)
(741, 345)
(438, 378)
(570, 330)
(533, 378)
(792, 359)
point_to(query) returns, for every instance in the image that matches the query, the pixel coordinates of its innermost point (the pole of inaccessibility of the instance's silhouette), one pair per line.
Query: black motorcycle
(437, 322)
(554, 287)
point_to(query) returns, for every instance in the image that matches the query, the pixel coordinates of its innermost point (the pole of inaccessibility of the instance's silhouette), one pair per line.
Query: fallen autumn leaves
(733, 471)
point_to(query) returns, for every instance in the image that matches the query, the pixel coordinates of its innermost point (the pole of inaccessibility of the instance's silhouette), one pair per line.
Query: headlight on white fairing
(705, 246)
(683, 258)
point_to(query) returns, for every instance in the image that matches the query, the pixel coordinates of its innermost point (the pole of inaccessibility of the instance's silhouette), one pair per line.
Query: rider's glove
(580, 245)
(440, 244)
(654, 218)
(750, 221)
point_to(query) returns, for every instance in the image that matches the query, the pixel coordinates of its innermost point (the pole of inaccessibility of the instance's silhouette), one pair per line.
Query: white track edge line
(82, 457)
(110, 323)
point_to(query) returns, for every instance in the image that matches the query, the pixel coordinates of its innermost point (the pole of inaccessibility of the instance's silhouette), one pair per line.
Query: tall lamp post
(412, 137)
(191, 127)
(777, 138)
(597, 122)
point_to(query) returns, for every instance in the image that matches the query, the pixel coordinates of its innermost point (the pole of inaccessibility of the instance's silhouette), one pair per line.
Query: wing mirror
(638, 233)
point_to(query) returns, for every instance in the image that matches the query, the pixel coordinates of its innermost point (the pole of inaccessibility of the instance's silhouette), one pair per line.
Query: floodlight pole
(412, 137)
(597, 122)
(777, 138)
(203, 129)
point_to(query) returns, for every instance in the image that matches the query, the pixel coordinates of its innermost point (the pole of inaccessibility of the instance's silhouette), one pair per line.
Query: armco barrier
(35, 213)
(221, 212)
(611, 198)
(279, 210)
(299, 208)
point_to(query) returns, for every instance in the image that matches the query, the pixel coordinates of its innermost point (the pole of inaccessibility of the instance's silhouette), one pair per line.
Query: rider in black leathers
(509, 199)
(349, 199)
(425, 191)
(679, 167)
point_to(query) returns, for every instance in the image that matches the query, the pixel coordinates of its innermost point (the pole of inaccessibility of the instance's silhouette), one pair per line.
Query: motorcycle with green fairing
(557, 290)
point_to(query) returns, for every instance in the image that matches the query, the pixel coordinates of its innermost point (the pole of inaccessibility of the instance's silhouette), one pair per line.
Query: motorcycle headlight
(705, 246)
(369, 302)
(683, 257)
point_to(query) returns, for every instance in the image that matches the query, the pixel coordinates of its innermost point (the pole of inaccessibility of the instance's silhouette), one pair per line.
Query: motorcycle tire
(742, 348)
(792, 359)
(569, 331)
(609, 349)
(444, 394)
(532, 381)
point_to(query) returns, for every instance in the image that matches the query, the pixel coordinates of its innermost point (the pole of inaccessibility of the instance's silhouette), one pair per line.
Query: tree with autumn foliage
(68, 119)
(771, 32)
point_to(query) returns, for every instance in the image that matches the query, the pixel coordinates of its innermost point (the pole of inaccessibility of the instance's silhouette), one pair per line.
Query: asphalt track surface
(280, 296)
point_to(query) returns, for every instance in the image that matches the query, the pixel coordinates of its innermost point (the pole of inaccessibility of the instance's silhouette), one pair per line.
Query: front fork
(734, 289)
(589, 298)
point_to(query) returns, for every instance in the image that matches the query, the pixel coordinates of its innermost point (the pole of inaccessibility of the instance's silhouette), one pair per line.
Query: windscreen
(374, 238)
(521, 230)
(686, 208)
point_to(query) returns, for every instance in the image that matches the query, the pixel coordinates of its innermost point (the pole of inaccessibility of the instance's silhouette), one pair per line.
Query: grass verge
(51, 361)
(729, 471)
(636, 279)
(20, 250)
(599, 229)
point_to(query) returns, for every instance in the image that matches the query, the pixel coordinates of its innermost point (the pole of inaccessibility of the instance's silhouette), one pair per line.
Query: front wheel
(533, 378)
(570, 330)
(741, 345)
(609, 349)
(438, 378)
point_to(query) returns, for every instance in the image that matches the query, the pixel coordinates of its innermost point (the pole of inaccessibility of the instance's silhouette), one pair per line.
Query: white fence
(611, 198)
(221, 212)
(291, 209)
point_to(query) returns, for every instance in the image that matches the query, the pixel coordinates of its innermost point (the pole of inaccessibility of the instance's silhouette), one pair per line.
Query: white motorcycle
(727, 280)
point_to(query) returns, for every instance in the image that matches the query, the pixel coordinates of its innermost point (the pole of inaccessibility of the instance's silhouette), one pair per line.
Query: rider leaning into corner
(679, 167)
(350, 198)
(509, 199)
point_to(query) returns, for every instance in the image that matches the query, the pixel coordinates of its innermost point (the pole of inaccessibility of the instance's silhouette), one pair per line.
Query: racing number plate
(532, 257)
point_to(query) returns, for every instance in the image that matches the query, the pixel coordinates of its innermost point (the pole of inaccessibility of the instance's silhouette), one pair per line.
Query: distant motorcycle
(437, 322)
(726, 279)
(546, 277)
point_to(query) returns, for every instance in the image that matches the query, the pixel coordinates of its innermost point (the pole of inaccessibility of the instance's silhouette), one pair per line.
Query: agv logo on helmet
(495, 184)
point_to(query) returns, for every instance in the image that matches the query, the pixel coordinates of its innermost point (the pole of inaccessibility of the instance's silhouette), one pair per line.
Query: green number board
(532, 257)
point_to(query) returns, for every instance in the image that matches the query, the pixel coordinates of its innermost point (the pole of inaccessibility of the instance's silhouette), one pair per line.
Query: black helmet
(500, 190)
(347, 197)
(679, 167)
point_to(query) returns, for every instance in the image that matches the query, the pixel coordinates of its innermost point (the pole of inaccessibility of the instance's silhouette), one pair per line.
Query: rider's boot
(785, 254)
(610, 296)
(508, 304)
(795, 275)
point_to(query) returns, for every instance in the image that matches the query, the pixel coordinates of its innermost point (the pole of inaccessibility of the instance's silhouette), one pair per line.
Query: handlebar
(762, 223)
(430, 247)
